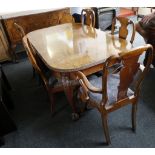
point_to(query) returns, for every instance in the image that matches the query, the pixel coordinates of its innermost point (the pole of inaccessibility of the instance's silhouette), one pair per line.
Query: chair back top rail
(73, 46)
(123, 31)
(128, 66)
(88, 17)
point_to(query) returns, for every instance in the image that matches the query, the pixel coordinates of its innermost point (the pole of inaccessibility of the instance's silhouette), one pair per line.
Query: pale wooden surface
(71, 47)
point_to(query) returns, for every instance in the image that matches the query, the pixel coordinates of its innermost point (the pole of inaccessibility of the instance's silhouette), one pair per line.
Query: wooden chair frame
(88, 16)
(123, 31)
(130, 67)
(22, 33)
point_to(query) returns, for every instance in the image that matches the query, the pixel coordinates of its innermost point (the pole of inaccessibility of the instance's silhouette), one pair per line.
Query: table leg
(69, 92)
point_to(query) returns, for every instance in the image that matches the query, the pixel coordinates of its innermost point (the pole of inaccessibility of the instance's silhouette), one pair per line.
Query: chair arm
(86, 84)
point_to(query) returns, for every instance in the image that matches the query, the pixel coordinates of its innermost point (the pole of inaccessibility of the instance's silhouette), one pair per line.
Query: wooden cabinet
(31, 22)
(3, 45)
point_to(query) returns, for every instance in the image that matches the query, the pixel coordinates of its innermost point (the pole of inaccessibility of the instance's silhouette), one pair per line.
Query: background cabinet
(30, 22)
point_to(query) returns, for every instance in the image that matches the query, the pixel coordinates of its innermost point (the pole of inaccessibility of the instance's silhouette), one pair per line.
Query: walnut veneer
(31, 22)
(72, 47)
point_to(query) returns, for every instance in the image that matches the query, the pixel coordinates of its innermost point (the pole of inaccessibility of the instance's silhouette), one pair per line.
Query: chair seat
(113, 83)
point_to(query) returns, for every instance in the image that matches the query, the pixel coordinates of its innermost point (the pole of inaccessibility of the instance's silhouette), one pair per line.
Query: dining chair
(116, 89)
(123, 30)
(51, 84)
(88, 17)
(22, 33)
(66, 18)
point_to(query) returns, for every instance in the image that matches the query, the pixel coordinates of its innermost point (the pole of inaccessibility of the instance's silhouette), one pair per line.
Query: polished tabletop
(72, 47)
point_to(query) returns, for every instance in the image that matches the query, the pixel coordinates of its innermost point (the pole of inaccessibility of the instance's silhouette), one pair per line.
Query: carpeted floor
(38, 129)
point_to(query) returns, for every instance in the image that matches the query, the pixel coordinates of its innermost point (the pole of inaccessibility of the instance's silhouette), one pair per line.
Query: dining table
(71, 47)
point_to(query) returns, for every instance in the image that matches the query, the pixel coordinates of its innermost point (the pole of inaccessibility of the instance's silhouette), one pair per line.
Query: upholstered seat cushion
(113, 83)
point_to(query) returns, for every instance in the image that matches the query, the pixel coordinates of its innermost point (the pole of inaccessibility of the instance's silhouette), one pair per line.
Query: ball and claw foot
(75, 116)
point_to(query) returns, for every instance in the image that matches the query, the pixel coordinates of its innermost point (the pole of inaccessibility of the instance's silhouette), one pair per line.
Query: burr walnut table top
(73, 47)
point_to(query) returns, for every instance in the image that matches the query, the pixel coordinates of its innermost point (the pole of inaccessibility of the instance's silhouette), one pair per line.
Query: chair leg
(105, 127)
(134, 110)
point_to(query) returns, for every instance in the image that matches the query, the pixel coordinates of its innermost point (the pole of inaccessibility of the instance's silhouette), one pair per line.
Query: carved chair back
(88, 17)
(128, 71)
(30, 55)
(123, 30)
(22, 33)
(66, 18)
(37, 64)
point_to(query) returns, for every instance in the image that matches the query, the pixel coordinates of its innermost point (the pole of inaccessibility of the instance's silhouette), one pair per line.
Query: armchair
(88, 16)
(123, 31)
(117, 87)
